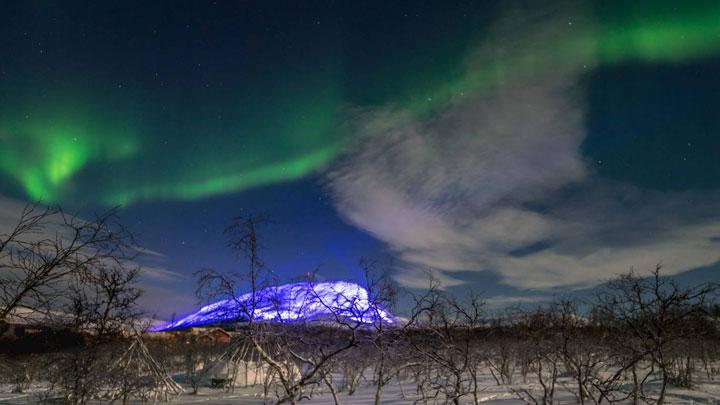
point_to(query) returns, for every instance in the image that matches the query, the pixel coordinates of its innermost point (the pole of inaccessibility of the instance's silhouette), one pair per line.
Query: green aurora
(89, 141)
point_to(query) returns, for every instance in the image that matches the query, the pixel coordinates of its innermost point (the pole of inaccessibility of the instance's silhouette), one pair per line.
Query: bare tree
(583, 356)
(446, 335)
(196, 359)
(540, 336)
(103, 307)
(46, 247)
(77, 275)
(651, 315)
(21, 370)
(298, 354)
(503, 351)
(353, 366)
(384, 338)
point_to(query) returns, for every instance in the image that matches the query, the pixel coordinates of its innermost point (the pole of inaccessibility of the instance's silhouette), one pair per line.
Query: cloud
(497, 182)
(445, 191)
(608, 228)
(161, 274)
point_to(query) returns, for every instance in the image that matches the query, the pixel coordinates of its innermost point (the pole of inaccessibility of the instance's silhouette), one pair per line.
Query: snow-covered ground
(705, 392)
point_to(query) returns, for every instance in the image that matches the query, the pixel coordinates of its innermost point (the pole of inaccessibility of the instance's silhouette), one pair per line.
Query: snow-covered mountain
(290, 303)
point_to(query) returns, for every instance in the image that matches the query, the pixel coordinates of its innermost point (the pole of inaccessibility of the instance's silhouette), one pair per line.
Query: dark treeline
(637, 337)
(634, 338)
(69, 295)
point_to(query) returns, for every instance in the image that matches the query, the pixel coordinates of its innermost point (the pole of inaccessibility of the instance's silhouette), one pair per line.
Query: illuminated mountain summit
(290, 303)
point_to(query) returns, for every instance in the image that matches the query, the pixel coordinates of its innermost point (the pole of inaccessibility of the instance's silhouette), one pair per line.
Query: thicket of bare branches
(635, 338)
(48, 249)
(299, 355)
(77, 281)
(638, 336)
(636, 333)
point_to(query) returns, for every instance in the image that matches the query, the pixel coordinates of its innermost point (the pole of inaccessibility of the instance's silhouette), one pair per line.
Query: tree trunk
(380, 380)
(329, 383)
(636, 388)
(663, 388)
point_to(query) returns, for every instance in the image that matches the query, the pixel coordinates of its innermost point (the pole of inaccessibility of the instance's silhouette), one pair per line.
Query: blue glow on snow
(290, 303)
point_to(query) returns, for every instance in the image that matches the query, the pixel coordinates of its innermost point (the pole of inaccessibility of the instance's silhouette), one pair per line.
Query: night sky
(519, 149)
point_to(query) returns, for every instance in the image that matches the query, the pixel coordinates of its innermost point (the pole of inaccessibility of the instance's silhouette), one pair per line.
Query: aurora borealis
(359, 122)
(227, 133)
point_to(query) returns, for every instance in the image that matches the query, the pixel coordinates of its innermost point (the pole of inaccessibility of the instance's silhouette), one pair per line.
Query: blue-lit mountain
(339, 300)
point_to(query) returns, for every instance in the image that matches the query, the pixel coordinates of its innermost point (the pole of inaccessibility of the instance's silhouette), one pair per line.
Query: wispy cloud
(161, 274)
(497, 182)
